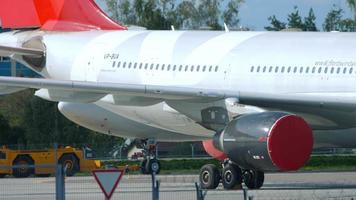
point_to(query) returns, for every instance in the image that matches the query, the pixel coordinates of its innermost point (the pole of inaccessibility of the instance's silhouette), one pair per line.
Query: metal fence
(175, 187)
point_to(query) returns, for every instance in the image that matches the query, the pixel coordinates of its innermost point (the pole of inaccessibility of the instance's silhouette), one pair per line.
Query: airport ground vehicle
(23, 163)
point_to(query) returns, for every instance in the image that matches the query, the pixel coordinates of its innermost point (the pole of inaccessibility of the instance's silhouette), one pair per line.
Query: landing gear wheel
(231, 177)
(253, 179)
(71, 163)
(209, 177)
(153, 165)
(23, 170)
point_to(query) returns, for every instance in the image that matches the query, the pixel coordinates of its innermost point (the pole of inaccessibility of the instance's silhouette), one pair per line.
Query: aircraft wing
(100, 89)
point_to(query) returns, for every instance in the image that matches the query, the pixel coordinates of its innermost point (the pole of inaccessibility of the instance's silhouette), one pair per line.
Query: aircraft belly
(160, 116)
(104, 121)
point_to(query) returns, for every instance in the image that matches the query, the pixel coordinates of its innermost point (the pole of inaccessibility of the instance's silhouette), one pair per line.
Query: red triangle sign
(108, 180)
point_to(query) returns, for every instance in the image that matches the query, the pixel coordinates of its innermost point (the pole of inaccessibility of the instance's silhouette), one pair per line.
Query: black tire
(153, 165)
(231, 177)
(143, 168)
(2, 175)
(71, 163)
(24, 170)
(253, 179)
(209, 177)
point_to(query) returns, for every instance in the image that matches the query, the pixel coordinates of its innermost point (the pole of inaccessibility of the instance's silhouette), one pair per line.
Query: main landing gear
(231, 176)
(150, 164)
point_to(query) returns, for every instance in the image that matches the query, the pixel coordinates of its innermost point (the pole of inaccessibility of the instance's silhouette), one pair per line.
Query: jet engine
(268, 141)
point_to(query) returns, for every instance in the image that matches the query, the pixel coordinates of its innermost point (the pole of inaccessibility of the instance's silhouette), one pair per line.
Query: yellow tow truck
(23, 163)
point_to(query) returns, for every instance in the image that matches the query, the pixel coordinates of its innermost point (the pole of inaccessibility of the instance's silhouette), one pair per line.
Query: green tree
(186, 15)
(276, 25)
(309, 21)
(161, 14)
(333, 20)
(295, 20)
(209, 14)
(352, 5)
(231, 13)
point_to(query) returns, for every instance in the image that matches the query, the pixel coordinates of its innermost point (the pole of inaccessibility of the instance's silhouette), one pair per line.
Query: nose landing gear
(150, 163)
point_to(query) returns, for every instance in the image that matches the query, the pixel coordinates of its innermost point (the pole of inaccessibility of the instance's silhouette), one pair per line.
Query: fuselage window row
(305, 70)
(164, 67)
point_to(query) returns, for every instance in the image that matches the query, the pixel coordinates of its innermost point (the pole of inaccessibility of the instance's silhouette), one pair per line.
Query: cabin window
(295, 69)
(180, 67)
(135, 66)
(124, 65)
(351, 70)
(345, 70)
(289, 69)
(157, 66)
(332, 70)
(276, 70)
(301, 70)
(326, 70)
(186, 68)
(270, 69)
(216, 68)
(114, 64)
(204, 68)
(198, 68)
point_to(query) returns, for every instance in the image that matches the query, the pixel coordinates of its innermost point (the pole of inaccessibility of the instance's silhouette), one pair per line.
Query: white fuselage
(315, 72)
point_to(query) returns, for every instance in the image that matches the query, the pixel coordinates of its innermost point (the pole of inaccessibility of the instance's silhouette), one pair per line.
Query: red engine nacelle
(269, 141)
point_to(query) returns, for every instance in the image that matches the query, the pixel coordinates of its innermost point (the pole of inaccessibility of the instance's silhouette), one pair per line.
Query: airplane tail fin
(55, 15)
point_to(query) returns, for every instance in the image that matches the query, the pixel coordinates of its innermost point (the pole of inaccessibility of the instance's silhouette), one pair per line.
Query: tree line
(334, 21)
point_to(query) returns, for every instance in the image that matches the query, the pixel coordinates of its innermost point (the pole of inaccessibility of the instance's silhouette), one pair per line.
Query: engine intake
(269, 141)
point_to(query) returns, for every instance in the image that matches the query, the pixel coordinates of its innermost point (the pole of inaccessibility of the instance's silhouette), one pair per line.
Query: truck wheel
(71, 162)
(23, 168)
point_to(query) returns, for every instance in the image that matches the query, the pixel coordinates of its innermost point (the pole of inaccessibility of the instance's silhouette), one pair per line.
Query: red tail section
(55, 15)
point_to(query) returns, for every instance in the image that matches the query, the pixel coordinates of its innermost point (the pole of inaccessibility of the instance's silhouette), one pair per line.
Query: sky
(254, 13)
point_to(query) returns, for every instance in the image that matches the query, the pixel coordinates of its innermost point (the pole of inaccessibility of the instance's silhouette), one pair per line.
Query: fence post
(60, 187)
(155, 187)
(200, 195)
(245, 194)
(192, 146)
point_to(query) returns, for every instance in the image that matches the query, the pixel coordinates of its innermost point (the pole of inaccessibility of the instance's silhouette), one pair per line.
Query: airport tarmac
(341, 185)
